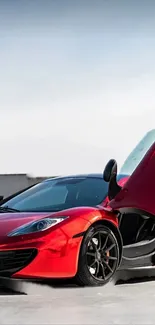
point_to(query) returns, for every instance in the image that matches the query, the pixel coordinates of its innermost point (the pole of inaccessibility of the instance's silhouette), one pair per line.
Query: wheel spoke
(93, 263)
(103, 271)
(91, 254)
(106, 240)
(97, 268)
(110, 248)
(112, 258)
(107, 265)
(99, 240)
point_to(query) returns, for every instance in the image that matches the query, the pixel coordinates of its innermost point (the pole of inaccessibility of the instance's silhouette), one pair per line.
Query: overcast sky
(77, 83)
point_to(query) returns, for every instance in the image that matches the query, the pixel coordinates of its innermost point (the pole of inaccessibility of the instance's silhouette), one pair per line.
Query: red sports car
(67, 228)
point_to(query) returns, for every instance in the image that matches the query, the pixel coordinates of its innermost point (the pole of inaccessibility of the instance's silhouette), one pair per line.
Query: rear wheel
(99, 257)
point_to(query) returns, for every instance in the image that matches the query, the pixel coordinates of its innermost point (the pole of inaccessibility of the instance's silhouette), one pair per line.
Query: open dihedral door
(136, 199)
(138, 193)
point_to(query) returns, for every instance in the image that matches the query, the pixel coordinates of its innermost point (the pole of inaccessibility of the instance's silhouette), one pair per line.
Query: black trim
(141, 254)
(12, 261)
(139, 249)
(81, 234)
(114, 188)
(142, 261)
(134, 274)
(135, 211)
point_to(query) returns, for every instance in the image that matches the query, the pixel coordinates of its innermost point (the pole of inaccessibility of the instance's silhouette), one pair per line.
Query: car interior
(135, 228)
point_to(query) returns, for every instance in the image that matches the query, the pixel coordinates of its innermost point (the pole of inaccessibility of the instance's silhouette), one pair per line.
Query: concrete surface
(132, 303)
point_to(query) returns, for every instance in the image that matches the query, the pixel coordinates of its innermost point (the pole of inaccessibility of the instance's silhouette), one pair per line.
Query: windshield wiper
(7, 209)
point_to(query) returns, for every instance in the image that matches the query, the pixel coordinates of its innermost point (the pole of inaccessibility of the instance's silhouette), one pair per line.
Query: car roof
(93, 175)
(97, 175)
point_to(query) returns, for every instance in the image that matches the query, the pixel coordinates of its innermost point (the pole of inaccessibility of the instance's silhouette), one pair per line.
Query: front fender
(109, 219)
(102, 214)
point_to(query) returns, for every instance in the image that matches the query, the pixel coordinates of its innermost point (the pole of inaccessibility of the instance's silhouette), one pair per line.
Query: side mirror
(1, 198)
(110, 170)
(110, 176)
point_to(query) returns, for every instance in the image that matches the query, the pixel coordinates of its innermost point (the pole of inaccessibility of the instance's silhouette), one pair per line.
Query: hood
(10, 221)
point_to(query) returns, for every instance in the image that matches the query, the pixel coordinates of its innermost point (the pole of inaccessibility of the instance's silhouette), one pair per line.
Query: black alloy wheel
(99, 257)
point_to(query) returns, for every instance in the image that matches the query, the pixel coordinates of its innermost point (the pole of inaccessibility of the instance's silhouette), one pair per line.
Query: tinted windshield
(138, 153)
(60, 194)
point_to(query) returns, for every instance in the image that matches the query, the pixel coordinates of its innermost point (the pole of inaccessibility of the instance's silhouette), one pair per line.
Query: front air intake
(14, 260)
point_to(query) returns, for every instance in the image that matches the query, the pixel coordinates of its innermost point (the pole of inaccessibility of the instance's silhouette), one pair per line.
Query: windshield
(60, 194)
(138, 153)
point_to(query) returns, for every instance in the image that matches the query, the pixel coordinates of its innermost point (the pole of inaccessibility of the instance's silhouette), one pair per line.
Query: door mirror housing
(110, 170)
(110, 176)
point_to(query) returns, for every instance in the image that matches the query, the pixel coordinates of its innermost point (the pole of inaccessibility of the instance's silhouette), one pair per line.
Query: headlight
(36, 226)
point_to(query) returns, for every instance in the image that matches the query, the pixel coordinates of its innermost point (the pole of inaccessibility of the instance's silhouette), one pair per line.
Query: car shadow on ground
(9, 292)
(19, 287)
(9, 287)
(134, 280)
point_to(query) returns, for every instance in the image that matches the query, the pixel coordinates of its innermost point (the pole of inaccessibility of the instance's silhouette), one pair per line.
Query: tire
(107, 261)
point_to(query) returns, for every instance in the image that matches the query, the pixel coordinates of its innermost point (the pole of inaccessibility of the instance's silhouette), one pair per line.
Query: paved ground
(122, 304)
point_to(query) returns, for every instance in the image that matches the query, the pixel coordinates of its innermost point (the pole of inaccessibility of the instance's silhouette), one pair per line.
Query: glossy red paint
(121, 182)
(138, 191)
(58, 250)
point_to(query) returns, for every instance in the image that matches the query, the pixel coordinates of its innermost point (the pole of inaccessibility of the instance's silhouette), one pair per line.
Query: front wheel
(99, 257)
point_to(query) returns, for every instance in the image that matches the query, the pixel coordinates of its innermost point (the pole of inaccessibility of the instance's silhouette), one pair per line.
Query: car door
(138, 193)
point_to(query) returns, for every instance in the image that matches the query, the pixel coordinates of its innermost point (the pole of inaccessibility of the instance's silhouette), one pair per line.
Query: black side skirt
(137, 255)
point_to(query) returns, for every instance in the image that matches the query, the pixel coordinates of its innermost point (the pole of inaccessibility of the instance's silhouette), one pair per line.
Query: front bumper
(54, 255)
(13, 260)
